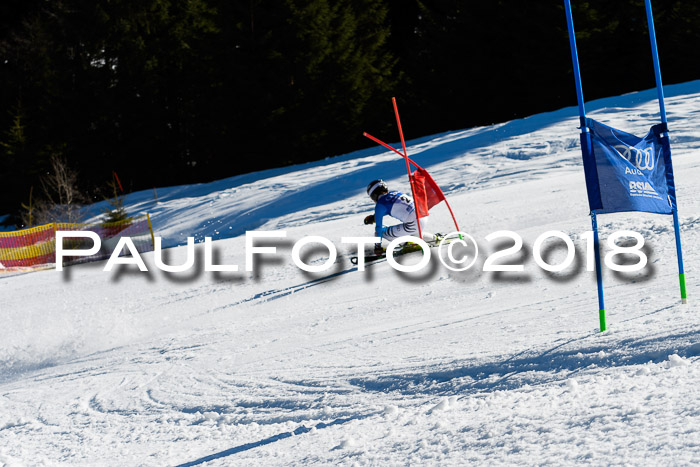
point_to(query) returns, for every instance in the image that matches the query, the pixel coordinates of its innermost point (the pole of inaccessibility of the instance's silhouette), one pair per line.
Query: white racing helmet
(377, 188)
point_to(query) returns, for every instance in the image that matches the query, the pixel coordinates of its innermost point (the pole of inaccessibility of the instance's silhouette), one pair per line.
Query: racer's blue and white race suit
(399, 206)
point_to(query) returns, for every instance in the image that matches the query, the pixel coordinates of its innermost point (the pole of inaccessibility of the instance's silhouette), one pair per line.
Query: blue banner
(628, 173)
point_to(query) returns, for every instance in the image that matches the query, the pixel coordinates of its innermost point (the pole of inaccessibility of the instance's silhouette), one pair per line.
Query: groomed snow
(283, 367)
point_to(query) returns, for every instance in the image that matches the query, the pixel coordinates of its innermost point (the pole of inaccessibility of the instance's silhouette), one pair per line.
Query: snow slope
(282, 367)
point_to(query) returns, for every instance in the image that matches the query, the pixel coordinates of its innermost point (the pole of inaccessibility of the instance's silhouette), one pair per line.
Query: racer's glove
(369, 219)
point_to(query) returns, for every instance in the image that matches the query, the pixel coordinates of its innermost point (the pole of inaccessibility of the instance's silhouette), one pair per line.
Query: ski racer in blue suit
(399, 206)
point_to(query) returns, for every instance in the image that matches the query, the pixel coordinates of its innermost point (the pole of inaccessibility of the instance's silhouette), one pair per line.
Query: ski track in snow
(374, 368)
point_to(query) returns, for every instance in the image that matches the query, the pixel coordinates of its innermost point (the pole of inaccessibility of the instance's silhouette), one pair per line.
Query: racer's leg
(408, 228)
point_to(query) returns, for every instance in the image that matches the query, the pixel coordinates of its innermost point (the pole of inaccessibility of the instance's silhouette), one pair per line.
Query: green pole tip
(684, 292)
(603, 324)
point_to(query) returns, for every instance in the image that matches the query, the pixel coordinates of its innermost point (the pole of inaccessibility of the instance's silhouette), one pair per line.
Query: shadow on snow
(529, 368)
(245, 447)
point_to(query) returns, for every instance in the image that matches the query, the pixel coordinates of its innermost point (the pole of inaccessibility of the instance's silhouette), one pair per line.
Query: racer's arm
(380, 211)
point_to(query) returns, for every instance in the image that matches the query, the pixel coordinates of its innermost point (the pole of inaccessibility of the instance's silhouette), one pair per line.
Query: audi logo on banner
(643, 159)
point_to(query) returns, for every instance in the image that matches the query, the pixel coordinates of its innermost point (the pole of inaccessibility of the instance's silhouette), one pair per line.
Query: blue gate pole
(577, 71)
(598, 272)
(585, 148)
(662, 109)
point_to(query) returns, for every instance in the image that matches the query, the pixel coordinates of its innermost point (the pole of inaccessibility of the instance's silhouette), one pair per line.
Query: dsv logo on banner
(643, 159)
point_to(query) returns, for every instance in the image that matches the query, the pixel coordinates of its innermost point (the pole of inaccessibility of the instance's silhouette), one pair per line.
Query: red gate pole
(408, 166)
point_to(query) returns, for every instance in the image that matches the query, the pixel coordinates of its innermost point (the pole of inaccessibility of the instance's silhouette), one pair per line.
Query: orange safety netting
(36, 247)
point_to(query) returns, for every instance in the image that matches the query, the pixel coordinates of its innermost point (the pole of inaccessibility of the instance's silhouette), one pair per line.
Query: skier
(399, 206)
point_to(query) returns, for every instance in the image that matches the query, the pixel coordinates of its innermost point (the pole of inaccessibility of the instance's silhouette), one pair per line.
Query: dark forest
(166, 92)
